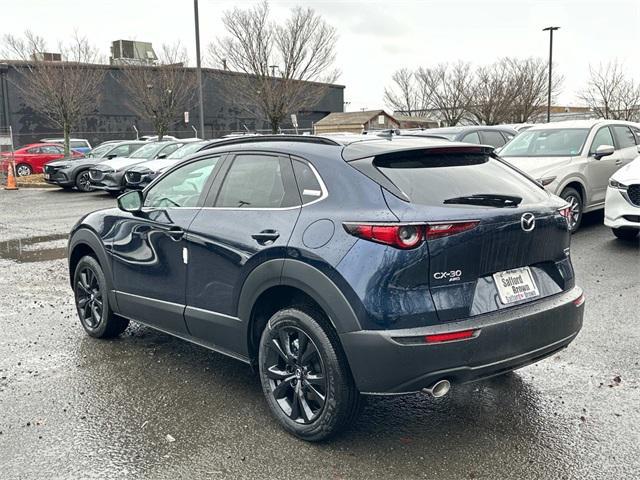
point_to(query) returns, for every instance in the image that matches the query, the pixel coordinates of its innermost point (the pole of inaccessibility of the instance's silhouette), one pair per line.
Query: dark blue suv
(337, 267)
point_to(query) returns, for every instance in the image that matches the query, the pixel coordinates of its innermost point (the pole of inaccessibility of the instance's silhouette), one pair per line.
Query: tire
(82, 182)
(573, 197)
(92, 301)
(317, 396)
(625, 233)
(22, 170)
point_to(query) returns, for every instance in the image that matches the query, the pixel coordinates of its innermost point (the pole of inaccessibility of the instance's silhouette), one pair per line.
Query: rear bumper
(397, 361)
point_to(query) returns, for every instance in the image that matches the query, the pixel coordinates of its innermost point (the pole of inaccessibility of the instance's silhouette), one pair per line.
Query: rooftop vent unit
(130, 52)
(46, 57)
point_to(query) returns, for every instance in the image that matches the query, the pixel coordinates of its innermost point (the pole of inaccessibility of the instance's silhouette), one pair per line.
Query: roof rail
(273, 138)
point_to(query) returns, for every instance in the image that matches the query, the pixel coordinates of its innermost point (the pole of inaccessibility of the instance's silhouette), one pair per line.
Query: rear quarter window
(430, 179)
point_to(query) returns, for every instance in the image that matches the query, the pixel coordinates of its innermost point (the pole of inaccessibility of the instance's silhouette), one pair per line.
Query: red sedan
(31, 158)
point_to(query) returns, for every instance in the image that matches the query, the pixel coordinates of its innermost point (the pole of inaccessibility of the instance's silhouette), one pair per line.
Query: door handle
(265, 236)
(618, 162)
(175, 233)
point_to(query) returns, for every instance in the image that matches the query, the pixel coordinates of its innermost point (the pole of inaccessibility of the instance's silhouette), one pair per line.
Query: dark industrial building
(113, 117)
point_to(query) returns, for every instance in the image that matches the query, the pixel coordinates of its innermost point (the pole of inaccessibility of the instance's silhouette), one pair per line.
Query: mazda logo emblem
(528, 221)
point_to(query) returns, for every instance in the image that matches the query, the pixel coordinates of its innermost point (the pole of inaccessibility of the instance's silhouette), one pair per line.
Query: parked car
(109, 174)
(496, 136)
(327, 264)
(154, 138)
(31, 158)
(140, 175)
(78, 144)
(622, 202)
(575, 159)
(72, 173)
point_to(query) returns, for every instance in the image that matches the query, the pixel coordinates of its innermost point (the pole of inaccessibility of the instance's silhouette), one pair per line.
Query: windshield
(559, 142)
(99, 151)
(148, 151)
(185, 150)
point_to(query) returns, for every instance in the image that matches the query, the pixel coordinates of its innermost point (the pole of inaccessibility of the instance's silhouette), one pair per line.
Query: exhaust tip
(438, 389)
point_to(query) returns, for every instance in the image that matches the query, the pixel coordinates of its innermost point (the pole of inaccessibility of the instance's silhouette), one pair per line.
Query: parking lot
(151, 406)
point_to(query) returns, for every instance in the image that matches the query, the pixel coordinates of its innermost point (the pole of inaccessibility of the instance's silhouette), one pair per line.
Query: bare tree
(160, 93)
(491, 96)
(529, 80)
(63, 91)
(444, 89)
(404, 95)
(279, 60)
(610, 94)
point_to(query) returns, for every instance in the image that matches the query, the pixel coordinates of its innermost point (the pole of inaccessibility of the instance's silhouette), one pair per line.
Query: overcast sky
(375, 37)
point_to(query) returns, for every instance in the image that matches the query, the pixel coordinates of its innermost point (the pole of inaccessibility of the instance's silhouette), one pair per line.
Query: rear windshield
(437, 179)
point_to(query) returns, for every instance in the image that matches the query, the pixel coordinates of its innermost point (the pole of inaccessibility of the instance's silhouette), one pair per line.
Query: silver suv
(575, 159)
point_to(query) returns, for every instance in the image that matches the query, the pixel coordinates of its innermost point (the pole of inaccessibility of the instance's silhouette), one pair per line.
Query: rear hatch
(495, 239)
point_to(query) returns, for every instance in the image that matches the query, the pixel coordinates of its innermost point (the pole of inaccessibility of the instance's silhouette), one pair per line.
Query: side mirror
(162, 155)
(131, 201)
(110, 156)
(603, 151)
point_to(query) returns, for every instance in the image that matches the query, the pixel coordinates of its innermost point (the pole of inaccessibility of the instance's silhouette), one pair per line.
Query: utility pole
(273, 70)
(550, 30)
(199, 68)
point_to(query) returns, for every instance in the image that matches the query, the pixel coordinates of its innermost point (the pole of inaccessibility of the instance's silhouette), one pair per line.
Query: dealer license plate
(515, 285)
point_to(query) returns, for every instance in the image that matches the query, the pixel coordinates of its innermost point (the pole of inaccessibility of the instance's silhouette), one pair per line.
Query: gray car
(575, 159)
(70, 172)
(109, 175)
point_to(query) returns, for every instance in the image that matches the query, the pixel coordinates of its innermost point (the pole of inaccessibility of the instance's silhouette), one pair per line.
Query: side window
(495, 139)
(120, 151)
(182, 187)
(34, 150)
(625, 136)
(50, 149)
(258, 181)
(308, 184)
(602, 137)
(169, 149)
(472, 137)
(637, 133)
(133, 147)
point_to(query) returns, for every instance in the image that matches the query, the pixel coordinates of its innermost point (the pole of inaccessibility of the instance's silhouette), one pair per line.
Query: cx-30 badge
(528, 221)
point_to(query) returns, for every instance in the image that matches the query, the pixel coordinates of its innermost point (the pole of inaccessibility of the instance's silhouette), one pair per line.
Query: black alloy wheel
(92, 301)
(296, 375)
(89, 297)
(305, 375)
(83, 184)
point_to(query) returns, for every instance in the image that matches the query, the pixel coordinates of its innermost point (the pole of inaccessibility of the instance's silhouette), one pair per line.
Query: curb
(36, 185)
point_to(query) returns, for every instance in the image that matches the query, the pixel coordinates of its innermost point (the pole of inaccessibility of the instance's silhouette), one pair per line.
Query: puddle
(35, 249)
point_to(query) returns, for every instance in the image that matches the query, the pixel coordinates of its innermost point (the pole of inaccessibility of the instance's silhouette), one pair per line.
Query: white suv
(622, 206)
(575, 159)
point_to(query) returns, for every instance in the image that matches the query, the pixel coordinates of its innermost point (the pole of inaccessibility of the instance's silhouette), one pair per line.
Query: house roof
(351, 118)
(410, 118)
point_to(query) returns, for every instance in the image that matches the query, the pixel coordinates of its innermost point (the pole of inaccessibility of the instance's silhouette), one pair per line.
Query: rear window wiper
(486, 199)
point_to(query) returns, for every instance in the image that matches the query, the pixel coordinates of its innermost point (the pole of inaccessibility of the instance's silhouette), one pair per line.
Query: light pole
(273, 69)
(199, 67)
(550, 30)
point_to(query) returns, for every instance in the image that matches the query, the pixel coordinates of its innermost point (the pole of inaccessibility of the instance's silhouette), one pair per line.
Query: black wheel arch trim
(87, 237)
(305, 277)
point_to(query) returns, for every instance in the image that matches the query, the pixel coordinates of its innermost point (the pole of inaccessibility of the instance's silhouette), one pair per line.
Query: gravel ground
(148, 406)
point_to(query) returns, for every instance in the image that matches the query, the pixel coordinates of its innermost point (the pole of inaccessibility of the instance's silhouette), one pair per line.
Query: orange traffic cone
(11, 179)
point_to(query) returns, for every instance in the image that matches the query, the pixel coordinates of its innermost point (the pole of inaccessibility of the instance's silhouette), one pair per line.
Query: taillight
(406, 235)
(579, 301)
(439, 230)
(450, 337)
(396, 235)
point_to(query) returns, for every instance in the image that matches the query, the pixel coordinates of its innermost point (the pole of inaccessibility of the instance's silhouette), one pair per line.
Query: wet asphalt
(148, 406)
